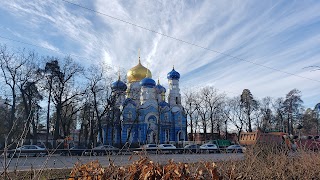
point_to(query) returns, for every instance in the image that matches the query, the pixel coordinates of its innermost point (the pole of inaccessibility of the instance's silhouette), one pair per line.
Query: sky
(268, 47)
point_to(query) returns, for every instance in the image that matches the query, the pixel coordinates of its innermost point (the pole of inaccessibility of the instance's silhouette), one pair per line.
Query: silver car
(28, 150)
(209, 148)
(235, 149)
(105, 150)
(167, 148)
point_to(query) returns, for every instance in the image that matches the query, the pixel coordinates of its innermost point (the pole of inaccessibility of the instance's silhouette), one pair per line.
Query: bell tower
(174, 97)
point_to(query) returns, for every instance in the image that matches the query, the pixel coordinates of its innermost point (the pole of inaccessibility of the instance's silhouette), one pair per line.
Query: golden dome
(138, 72)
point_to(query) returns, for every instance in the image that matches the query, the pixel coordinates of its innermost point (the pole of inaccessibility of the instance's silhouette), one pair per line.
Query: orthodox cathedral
(142, 115)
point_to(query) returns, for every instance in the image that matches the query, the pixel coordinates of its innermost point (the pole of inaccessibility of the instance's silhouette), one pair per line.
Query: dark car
(191, 148)
(74, 151)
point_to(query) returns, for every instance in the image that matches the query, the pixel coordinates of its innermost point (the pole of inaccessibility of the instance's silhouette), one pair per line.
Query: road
(57, 162)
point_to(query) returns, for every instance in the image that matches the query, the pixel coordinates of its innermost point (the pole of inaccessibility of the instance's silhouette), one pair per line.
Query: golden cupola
(138, 72)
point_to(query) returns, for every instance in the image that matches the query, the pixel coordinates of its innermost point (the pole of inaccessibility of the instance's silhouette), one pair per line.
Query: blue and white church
(142, 115)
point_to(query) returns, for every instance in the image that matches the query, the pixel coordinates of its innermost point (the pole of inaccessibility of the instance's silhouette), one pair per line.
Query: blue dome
(160, 89)
(173, 75)
(119, 86)
(129, 101)
(148, 82)
(163, 104)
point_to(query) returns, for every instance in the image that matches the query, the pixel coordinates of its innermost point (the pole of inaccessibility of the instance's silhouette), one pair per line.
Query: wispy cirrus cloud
(282, 35)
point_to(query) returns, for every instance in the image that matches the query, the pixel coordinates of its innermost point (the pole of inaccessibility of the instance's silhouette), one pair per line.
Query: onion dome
(163, 104)
(173, 75)
(160, 89)
(138, 72)
(148, 82)
(119, 86)
(129, 101)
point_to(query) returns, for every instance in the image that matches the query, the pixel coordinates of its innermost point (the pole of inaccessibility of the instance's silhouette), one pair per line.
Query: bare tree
(98, 89)
(28, 85)
(190, 108)
(212, 101)
(11, 65)
(309, 122)
(64, 91)
(202, 112)
(235, 114)
(267, 118)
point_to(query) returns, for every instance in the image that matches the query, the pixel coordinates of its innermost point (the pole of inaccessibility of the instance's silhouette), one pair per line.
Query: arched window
(167, 135)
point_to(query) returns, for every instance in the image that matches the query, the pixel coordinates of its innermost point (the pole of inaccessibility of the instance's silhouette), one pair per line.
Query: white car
(167, 148)
(28, 150)
(149, 146)
(209, 148)
(107, 148)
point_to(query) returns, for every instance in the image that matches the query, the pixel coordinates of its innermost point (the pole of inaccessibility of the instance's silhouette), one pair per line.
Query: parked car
(191, 148)
(235, 148)
(209, 148)
(105, 149)
(149, 146)
(28, 150)
(167, 148)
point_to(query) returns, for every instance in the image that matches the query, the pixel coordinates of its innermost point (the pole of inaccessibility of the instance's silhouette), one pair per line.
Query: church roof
(148, 82)
(138, 72)
(173, 75)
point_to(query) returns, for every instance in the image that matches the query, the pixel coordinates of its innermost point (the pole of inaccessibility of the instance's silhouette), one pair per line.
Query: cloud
(281, 35)
(48, 46)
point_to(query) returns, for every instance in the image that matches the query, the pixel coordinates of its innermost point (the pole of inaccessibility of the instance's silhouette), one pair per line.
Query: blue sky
(283, 35)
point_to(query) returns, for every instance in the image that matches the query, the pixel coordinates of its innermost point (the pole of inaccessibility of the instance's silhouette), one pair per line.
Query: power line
(189, 43)
(30, 44)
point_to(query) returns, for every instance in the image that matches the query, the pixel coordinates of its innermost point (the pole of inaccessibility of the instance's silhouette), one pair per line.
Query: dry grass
(38, 174)
(259, 163)
(145, 169)
(271, 163)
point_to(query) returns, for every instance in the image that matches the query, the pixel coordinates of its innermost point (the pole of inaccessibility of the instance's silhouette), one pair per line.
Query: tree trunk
(249, 122)
(12, 116)
(226, 129)
(191, 127)
(57, 124)
(98, 117)
(48, 114)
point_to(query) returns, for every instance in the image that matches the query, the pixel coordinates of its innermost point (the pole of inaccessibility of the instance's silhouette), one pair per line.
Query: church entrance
(181, 136)
(152, 137)
(152, 129)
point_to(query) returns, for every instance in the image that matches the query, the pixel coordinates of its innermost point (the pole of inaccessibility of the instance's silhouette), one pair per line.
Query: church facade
(141, 113)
